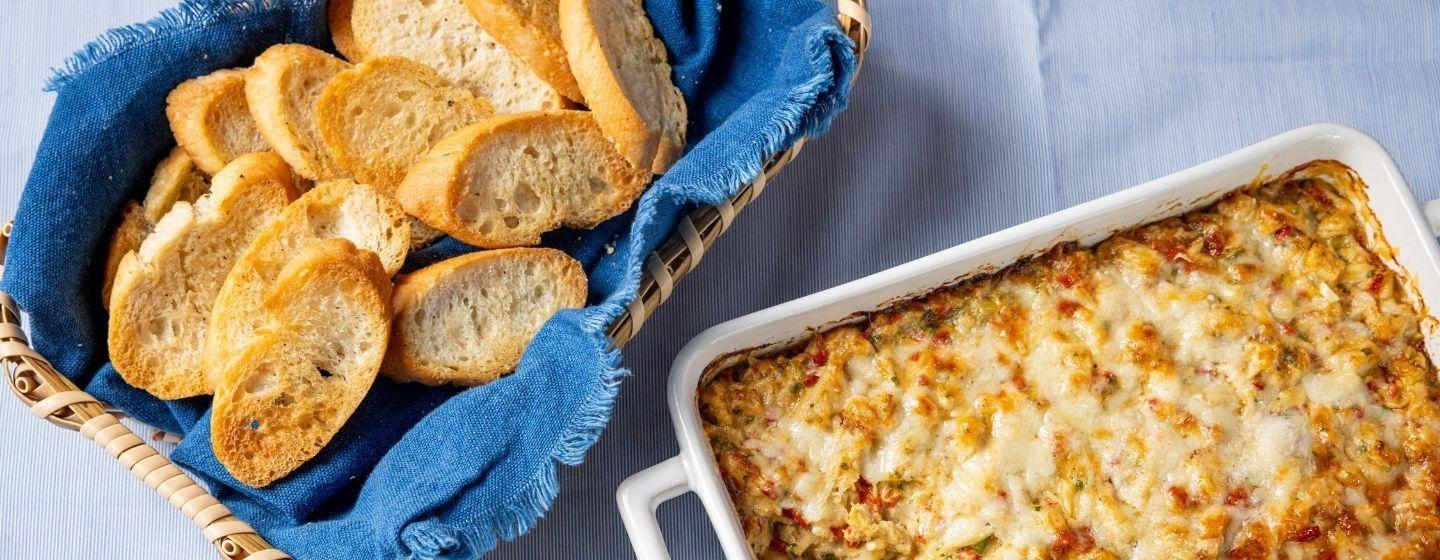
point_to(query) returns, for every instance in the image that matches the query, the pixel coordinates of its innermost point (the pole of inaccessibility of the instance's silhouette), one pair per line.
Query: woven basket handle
(698, 230)
(55, 398)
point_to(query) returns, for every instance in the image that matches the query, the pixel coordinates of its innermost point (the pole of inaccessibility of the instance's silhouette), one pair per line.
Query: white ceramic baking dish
(1400, 219)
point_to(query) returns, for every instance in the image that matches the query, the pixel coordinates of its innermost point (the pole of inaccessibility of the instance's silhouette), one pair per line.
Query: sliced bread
(380, 116)
(443, 35)
(422, 235)
(175, 179)
(621, 67)
(467, 320)
(531, 30)
(339, 208)
(291, 388)
(127, 237)
(211, 121)
(281, 88)
(508, 179)
(160, 303)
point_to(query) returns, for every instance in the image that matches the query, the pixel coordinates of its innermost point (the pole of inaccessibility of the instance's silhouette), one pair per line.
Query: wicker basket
(55, 398)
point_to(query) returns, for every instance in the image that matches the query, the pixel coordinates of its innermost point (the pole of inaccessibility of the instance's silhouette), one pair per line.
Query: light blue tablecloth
(973, 116)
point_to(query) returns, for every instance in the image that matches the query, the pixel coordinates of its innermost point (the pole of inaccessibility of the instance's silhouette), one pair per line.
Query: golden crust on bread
(324, 326)
(621, 68)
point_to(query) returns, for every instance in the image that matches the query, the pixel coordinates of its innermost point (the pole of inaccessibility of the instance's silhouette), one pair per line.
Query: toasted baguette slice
(380, 116)
(291, 388)
(127, 237)
(531, 30)
(506, 180)
(422, 235)
(160, 304)
(281, 88)
(175, 179)
(340, 208)
(211, 121)
(621, 67)
(467, 320)
(443, 35)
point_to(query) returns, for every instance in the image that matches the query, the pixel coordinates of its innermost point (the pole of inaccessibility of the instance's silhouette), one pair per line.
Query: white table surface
(61, 497)
(965, 123)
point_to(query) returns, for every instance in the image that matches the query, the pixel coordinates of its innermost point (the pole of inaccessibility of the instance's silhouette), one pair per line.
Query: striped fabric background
(971, 116)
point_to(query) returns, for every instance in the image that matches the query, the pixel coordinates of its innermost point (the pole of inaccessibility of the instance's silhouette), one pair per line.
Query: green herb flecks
(983, 544)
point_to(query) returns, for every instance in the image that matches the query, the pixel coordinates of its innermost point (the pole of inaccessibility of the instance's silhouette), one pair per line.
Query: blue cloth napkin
(418, 472)
(971, 117)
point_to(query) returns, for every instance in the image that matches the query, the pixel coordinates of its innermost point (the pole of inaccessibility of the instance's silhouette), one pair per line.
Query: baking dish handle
(638, 497)
(1431, 209)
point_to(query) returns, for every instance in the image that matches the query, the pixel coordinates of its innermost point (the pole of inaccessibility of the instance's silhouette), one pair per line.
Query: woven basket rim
(698, 230)
(53, 397)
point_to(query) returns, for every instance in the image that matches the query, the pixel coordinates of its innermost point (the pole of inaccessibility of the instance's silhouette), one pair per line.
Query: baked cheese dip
(1245, 381)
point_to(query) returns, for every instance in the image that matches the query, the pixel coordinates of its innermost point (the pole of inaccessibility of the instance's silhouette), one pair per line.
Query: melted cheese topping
(1245, 381)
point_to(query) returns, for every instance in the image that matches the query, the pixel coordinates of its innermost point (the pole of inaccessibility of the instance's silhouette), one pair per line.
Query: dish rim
(694, 467)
